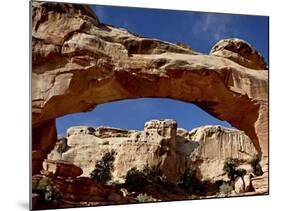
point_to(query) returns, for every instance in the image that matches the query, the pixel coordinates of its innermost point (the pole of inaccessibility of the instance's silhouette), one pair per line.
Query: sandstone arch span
(78, 63)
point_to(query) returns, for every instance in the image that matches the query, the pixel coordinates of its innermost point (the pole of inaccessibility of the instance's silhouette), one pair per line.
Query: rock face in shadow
(161, 144)
(79, 63)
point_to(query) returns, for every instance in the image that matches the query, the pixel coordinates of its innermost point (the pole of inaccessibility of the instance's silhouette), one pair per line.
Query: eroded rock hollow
(79, 63)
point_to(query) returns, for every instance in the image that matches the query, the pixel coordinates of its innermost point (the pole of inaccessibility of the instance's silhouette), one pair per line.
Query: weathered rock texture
(78, 63)
(161, 144)
(239, 51)
(156, 145)
(62, 168)
(216, 144)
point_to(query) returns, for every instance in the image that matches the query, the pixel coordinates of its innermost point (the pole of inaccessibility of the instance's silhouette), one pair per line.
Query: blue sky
(198, 30)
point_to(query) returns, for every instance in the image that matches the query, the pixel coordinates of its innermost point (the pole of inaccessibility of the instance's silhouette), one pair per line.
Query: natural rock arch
(78, 63)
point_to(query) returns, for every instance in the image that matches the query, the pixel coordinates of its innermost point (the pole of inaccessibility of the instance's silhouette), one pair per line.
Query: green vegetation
(41, 185)
(232, 170)
(190, 183)
(52, 194)
(225, 188)
(47, 191)
(255, 163)
(151, 172)
(135, 180)
(145, 198)
(103, 168)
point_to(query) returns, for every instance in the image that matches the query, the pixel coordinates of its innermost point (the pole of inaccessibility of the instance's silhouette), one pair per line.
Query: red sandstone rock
(62, 168)
(35, 199)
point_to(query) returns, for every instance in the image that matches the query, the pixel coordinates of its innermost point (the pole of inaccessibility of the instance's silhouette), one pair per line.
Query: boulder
(242, 187)
(116, 198)
(87, 190)
(239, 51)
(62, 168)
(260, 183)
(84, 186)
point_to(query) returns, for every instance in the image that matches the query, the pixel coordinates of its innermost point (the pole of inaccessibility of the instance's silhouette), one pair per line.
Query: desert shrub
(189, 182)
(46, 190)
(229, 167)
(232, 170)
(225, 188)
(145, 198)
(255, 163)
(151, 172)
(52, 194)
(241, 172)
(166, 184)
(135, 180)
(40, 186)
(103, 168)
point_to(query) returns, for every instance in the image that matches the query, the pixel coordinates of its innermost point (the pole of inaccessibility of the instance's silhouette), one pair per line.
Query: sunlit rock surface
(79, 63)
(161, 144)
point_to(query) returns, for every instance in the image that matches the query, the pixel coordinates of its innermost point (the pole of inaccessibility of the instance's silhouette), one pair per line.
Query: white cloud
(215, 26)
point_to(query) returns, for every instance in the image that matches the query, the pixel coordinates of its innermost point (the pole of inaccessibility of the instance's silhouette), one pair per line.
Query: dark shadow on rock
(184, 146)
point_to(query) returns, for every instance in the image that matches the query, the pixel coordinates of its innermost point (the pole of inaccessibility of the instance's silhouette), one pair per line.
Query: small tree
(229, 167)
(152, 172)
(232, 170)
(189, 182)
(47, 191)
(135, 180)
(255, 163)
(103, 168)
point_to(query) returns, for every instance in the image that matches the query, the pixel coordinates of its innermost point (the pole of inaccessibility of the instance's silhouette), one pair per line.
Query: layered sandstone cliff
(162, 144)
(216, 145)
(153, 146)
